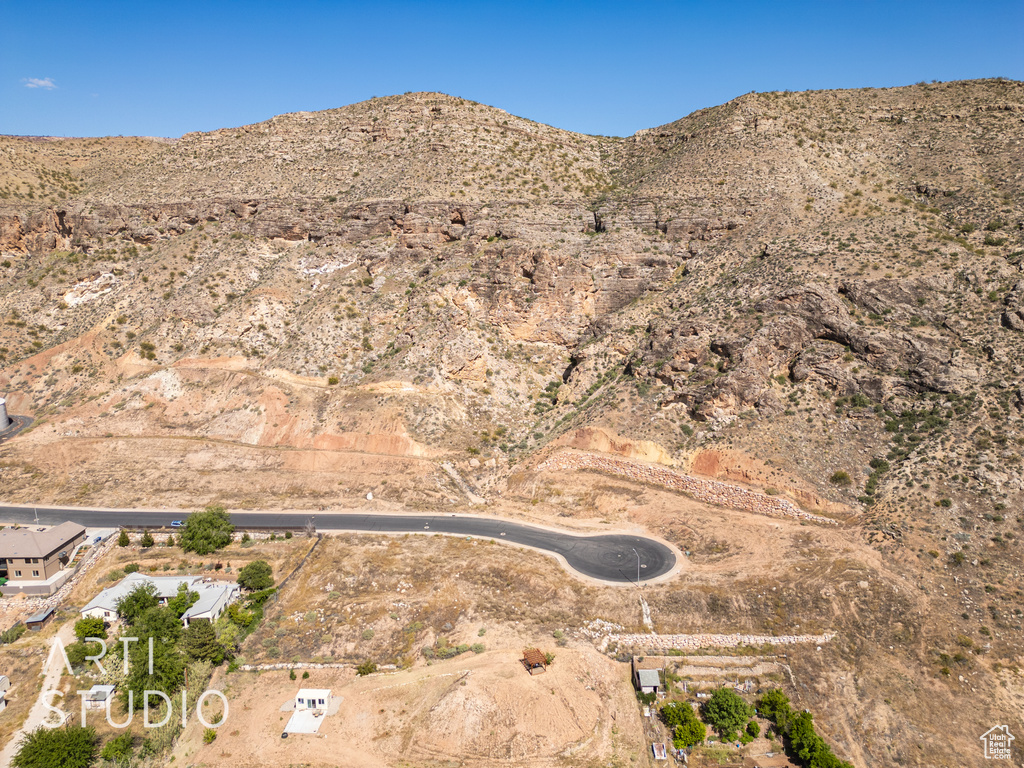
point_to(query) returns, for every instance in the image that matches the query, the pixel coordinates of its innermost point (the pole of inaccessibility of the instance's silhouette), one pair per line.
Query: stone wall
(693, 642)
(710, 491)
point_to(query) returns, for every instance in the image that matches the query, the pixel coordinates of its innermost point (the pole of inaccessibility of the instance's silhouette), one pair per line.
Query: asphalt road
(609, 557)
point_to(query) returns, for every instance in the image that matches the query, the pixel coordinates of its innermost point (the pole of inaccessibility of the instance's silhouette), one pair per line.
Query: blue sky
(162, 69)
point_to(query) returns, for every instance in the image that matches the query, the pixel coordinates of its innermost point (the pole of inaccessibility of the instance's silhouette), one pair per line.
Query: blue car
(176, 523)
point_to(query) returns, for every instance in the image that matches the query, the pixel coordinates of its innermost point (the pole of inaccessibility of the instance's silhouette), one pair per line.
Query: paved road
(609, 557)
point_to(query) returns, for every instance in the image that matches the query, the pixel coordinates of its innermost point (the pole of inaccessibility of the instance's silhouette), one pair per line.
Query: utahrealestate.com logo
(997, 742)
(48, 696)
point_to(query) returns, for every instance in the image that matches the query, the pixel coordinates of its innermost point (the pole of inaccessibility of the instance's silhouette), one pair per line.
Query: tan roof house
(34, 561)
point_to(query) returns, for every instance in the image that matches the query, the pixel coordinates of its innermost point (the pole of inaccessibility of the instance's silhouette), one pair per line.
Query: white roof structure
(213, 598)
(166, 588)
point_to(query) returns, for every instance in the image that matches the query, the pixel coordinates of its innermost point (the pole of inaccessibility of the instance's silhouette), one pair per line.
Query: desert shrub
(209, 735)
(366, 668)
(119, 749)
(840, 478)
(70, 747)
(10, 635)
(132, 568)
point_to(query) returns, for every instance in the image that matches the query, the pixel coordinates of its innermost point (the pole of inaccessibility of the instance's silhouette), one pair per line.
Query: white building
(214, 596)
(313, 698)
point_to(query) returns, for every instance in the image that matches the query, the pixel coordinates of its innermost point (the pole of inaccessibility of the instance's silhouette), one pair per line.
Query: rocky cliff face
(828, 284)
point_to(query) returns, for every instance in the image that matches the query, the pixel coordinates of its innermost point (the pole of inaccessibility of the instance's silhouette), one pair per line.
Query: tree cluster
(797, 728)
(687, 729)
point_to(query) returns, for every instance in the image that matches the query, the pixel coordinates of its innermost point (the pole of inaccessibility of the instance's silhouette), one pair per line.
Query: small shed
(313, 698)
(98, 696)
(39, 620)
(647, 675)
(534, 661)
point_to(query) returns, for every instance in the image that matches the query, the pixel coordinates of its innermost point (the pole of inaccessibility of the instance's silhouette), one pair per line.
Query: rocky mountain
(819, 294)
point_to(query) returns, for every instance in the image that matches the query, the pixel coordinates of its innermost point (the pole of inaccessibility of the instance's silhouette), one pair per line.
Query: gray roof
(99, 692)
(28, 542)
(41, 616)
(648, 678)
(166, 587)
(209, 594)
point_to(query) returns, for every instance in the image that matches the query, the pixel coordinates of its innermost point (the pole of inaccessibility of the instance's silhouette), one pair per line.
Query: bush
(119, 749)
(687, 730)
(256, 576)
(132, 568)
(305, 675)
(209, 735)
(207, 531)
(122, 539)
(10, 635)
(753, 729)
(478, 648)
(90, 627)
(840, 478)
(292, 675)
(366, 668)
(147, 540)
(70, 747)
(287, 534)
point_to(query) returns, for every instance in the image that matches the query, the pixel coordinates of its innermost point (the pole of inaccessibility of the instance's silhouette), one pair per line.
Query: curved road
(608, 557)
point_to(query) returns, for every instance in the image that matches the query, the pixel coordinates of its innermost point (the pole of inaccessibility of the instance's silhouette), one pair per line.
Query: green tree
(726, 712)
(123, 540)
(119, 749)
(256, 575)
(687, 730)
(689, 734)
(135, 603)
(753, 729)
(207, 531)
(70, 747)
(199, 642)
(164, 627)
(90, 627)
(147, 540)
(773, 704)
(182, 601)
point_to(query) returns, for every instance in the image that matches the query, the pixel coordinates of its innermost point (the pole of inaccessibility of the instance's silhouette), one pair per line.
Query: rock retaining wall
(688, 642)
(710, 491)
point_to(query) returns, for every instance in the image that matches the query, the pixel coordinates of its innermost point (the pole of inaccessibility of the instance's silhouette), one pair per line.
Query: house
(98, 696)
(313, 698)
(647, 675)
(104, 605)
(35, 561)
(214, 596)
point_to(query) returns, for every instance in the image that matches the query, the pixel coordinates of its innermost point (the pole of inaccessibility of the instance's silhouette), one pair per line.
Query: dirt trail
(38, 714)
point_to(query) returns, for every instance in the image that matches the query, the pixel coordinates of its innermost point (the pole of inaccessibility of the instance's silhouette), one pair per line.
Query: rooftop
(648, 678)
(28, 542)
(166, 587)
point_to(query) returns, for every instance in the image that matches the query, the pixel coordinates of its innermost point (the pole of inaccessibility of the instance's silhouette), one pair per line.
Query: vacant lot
(471, 710)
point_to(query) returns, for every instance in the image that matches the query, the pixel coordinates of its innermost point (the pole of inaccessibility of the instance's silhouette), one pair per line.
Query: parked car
(176, 523)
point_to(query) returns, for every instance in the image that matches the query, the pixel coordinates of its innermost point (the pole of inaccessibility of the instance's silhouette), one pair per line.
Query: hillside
(818, 295)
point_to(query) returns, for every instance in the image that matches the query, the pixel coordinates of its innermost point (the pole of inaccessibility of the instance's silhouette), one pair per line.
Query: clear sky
(160, 68)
